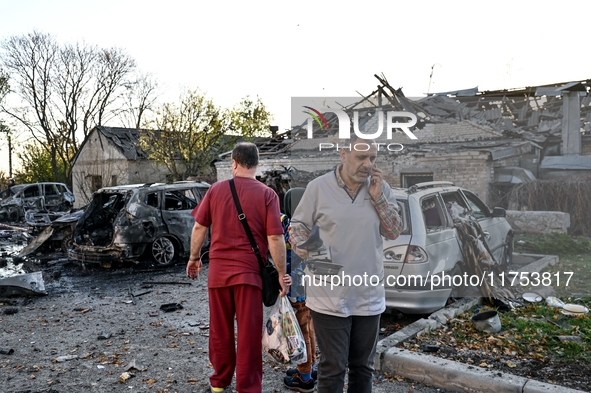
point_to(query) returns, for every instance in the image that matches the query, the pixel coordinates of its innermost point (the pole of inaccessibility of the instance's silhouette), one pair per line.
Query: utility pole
(5, 129)
(9, 155)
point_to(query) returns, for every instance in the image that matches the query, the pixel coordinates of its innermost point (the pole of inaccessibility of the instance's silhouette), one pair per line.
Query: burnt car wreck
(124, 223)
(48, 198)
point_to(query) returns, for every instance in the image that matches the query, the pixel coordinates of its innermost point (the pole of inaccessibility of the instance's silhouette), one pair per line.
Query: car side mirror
(499, 212)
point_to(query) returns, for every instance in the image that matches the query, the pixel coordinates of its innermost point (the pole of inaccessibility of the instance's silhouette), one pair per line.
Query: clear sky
(277, 50)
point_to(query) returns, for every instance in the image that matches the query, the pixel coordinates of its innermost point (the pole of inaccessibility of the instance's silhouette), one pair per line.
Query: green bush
(554, 244)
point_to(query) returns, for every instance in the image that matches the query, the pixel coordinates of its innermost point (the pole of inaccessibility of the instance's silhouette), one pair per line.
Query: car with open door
(429, 245)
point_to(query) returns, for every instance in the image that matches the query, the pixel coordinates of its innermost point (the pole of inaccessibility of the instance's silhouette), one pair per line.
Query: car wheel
(507, 256)
(164, 251)
(13, 214)
(67, 243)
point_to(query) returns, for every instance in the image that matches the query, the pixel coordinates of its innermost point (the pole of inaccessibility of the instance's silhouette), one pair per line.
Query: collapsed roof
(530, 113)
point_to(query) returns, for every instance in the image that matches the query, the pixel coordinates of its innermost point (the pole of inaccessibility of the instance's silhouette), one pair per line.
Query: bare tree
(140, 98)
(65, 89)
(4, 87)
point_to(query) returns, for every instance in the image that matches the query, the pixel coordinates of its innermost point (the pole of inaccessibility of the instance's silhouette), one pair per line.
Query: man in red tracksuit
(234, 279)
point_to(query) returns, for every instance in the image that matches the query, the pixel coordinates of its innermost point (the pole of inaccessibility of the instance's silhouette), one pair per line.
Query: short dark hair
(246, 154)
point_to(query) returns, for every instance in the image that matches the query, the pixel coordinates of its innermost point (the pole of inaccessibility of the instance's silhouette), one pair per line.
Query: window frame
(487, 212)
(442, 215)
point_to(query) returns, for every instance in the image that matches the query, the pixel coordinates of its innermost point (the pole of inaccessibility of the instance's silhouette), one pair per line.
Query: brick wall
(586, 149)
(308, 164)
(472, 170)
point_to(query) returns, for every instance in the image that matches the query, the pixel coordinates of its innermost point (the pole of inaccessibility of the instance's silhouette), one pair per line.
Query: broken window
(50, 190)
(179, 200)
(432, 213)
(478, 208)
(32, 191)
(151, 199)
(404, 216)
(455, 205)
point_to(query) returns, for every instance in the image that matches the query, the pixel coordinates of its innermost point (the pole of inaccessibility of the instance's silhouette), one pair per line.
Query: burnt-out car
(48, 197)
(124, 223)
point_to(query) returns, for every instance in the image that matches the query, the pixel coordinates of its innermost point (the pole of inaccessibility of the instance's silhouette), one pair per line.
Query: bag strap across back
(242, 218)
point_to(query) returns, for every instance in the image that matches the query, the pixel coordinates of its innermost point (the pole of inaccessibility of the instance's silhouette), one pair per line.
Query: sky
(278, 50)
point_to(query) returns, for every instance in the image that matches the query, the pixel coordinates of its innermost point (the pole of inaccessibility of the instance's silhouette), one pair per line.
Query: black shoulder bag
(269, 274)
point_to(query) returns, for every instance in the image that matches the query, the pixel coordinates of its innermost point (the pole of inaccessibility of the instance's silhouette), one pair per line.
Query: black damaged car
(125, 223)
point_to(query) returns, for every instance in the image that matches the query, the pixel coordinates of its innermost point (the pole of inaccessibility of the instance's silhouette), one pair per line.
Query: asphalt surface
(170, 350)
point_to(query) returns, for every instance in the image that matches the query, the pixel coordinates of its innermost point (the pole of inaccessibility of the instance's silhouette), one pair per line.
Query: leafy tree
(189, 136)
(184, 137)
(250, 118)
(35, 165)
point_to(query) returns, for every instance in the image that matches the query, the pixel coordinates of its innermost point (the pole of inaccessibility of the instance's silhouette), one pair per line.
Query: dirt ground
(89, 315)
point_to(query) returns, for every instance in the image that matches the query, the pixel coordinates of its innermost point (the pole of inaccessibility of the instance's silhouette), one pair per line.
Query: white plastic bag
(282, 337)
(293, 333)
(274, 341)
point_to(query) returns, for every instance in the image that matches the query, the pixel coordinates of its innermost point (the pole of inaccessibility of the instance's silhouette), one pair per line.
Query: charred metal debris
(125, 222)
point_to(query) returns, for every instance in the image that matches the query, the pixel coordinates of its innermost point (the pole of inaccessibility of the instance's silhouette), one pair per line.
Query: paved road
(170, 349)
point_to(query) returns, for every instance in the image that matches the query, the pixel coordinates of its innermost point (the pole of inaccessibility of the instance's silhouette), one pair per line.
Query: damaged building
(485, 141)
(111, 156)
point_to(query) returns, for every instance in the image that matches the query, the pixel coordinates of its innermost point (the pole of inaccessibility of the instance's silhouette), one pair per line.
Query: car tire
(13, 214)
(164, 251)
(507, 256)
(67, 243)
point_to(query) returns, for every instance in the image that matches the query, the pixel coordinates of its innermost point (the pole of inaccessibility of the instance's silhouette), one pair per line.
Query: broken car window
(455, 205)
(177, 200)
(152, 199)
(434, 218)
(477, 206)
(32, 191)
(50, 190)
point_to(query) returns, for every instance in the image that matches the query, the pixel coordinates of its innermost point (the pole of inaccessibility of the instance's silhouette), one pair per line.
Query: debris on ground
(170, 307)
(23, 284)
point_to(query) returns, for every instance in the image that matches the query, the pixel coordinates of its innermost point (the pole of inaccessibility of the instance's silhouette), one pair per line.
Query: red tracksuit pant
(244, 301)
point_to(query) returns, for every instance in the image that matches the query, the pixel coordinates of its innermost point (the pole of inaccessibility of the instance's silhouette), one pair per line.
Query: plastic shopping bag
(274, 341)
(282, 337)
(293, 333)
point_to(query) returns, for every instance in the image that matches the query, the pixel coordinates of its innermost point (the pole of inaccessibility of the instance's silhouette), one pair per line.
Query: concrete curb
(461, 377)
(456, 376)
(539, 264)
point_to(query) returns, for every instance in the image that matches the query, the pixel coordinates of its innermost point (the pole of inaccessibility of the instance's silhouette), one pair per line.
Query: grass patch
(527, 332)
(580, 283)
(559, 244)
(532, 331)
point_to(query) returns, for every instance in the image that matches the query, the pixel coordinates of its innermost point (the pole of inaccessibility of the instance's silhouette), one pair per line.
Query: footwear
(295, 382)
(293, 371)
(226, 390)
